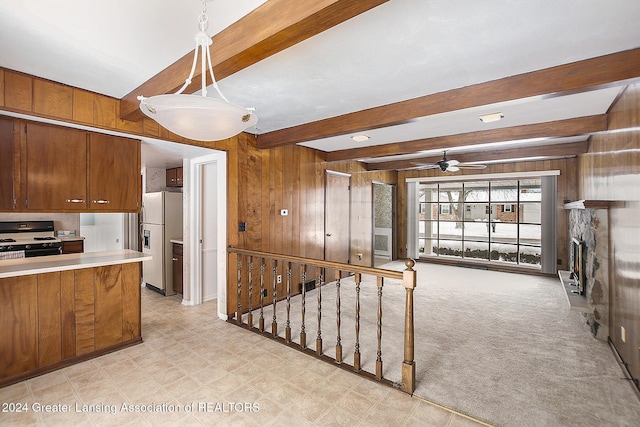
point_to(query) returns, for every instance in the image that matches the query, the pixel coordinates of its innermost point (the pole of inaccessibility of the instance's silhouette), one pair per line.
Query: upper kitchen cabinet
(48, 168)
(8, 162)
(114, 173)
(55, 160)
(174, 177)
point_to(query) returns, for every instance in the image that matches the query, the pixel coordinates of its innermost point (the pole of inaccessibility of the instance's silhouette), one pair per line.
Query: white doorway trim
(193, 234)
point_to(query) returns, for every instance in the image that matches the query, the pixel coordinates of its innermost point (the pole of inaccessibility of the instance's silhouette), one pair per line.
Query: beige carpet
(501, 347)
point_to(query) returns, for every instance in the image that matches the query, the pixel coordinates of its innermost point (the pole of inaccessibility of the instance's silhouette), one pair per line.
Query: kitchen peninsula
(59, 310)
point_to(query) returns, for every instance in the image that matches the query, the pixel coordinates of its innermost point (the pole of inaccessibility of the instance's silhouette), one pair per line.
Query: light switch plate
(284, 212)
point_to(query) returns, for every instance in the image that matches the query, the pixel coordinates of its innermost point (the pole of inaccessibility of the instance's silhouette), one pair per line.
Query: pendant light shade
(199, 117)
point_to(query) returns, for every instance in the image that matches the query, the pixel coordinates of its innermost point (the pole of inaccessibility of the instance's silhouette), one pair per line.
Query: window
(468, 226)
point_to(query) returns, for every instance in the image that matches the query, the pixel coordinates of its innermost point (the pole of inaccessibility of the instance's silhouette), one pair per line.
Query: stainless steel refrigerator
(161, 221)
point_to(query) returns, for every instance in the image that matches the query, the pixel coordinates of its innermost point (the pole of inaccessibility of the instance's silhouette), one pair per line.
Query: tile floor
(232, 376)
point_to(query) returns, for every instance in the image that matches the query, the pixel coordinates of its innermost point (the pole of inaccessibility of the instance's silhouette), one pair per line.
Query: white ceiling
(399, 50)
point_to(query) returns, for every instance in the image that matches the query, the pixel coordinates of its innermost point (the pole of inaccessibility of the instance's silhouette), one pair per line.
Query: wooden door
(7, 166)
(114, 173)
(337, 217)
(56, 165)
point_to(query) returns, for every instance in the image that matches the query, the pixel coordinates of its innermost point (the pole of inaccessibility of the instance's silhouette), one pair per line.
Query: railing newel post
(409, 278)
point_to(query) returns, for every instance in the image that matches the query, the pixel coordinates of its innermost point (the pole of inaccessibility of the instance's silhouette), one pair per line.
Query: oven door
(29, 253)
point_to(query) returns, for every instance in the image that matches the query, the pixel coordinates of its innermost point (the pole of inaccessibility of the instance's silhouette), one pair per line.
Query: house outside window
(464, 223)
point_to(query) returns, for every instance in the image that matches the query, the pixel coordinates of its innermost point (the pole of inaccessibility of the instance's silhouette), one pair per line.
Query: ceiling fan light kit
(199, 117)
(447, 165)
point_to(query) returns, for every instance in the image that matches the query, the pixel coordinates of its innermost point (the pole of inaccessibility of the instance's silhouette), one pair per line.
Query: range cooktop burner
(7, 240)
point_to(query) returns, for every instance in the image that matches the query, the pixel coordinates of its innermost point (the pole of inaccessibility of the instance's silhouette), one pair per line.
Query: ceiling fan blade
(453, 162)
(453, 169)
(425, 165)
(463, 166)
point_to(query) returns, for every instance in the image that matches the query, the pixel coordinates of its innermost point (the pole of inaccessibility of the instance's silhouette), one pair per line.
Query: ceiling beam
(555, 129)
(549, 150)
(267, 30)
(569, 78)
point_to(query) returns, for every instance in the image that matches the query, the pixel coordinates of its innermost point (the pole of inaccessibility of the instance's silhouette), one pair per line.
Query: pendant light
(199, 117)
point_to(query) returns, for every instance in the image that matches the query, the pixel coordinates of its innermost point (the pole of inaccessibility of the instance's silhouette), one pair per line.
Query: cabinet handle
(75, 200)
(174, 259)
(101, 202)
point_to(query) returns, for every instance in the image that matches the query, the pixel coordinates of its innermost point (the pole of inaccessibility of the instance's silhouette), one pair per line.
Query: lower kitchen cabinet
(72, 246)
(177, 268)
(51, 320)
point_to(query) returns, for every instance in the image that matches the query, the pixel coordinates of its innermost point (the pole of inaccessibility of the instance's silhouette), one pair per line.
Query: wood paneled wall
(262, 182)
(567, 190)
(611, 171)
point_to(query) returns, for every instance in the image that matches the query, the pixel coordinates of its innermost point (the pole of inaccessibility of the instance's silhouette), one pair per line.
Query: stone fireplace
(590, 226)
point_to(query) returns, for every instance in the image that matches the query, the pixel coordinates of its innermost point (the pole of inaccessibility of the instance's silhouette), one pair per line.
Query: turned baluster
(356, 352)
(261, 320)
(250, 279)
(319, 335)
(379, 357)
(274, 323)
(303, 333)
(338, 338)
(287, 328)
(239, 309)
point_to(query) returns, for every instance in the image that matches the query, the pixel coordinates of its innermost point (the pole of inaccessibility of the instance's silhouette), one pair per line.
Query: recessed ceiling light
(493, 117)
(360, 138)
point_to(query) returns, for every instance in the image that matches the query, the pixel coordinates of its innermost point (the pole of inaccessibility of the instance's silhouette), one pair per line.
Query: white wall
(102, 231)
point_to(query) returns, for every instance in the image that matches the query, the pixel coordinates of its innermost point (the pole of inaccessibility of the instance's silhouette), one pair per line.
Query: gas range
(28, 239)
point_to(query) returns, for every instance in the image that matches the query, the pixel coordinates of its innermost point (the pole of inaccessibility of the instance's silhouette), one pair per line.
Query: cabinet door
(56, 168)
(114, 176)
(178, 177)
(177, 268)
(7, 166)
(18, 325)
(171, 177)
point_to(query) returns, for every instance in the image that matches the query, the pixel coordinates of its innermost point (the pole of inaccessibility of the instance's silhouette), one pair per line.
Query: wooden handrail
(392, 274)
(407, 277)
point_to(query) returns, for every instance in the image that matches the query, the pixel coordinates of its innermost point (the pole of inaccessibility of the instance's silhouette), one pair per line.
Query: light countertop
(52, 263)
(178, 241)
(70, 238)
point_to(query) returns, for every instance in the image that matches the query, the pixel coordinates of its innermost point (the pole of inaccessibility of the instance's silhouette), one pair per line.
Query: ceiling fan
(447, 165)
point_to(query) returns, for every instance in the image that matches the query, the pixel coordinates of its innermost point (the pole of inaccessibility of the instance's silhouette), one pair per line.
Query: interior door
(383, 223)
(337, 217)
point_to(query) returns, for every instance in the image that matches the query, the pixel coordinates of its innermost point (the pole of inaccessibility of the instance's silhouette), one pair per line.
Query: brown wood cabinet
(177, 268)
(8, 169)
(174, 177)
(51, 320)
(55, 161)
(73, 246)
(58, 169)
(114, 173)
